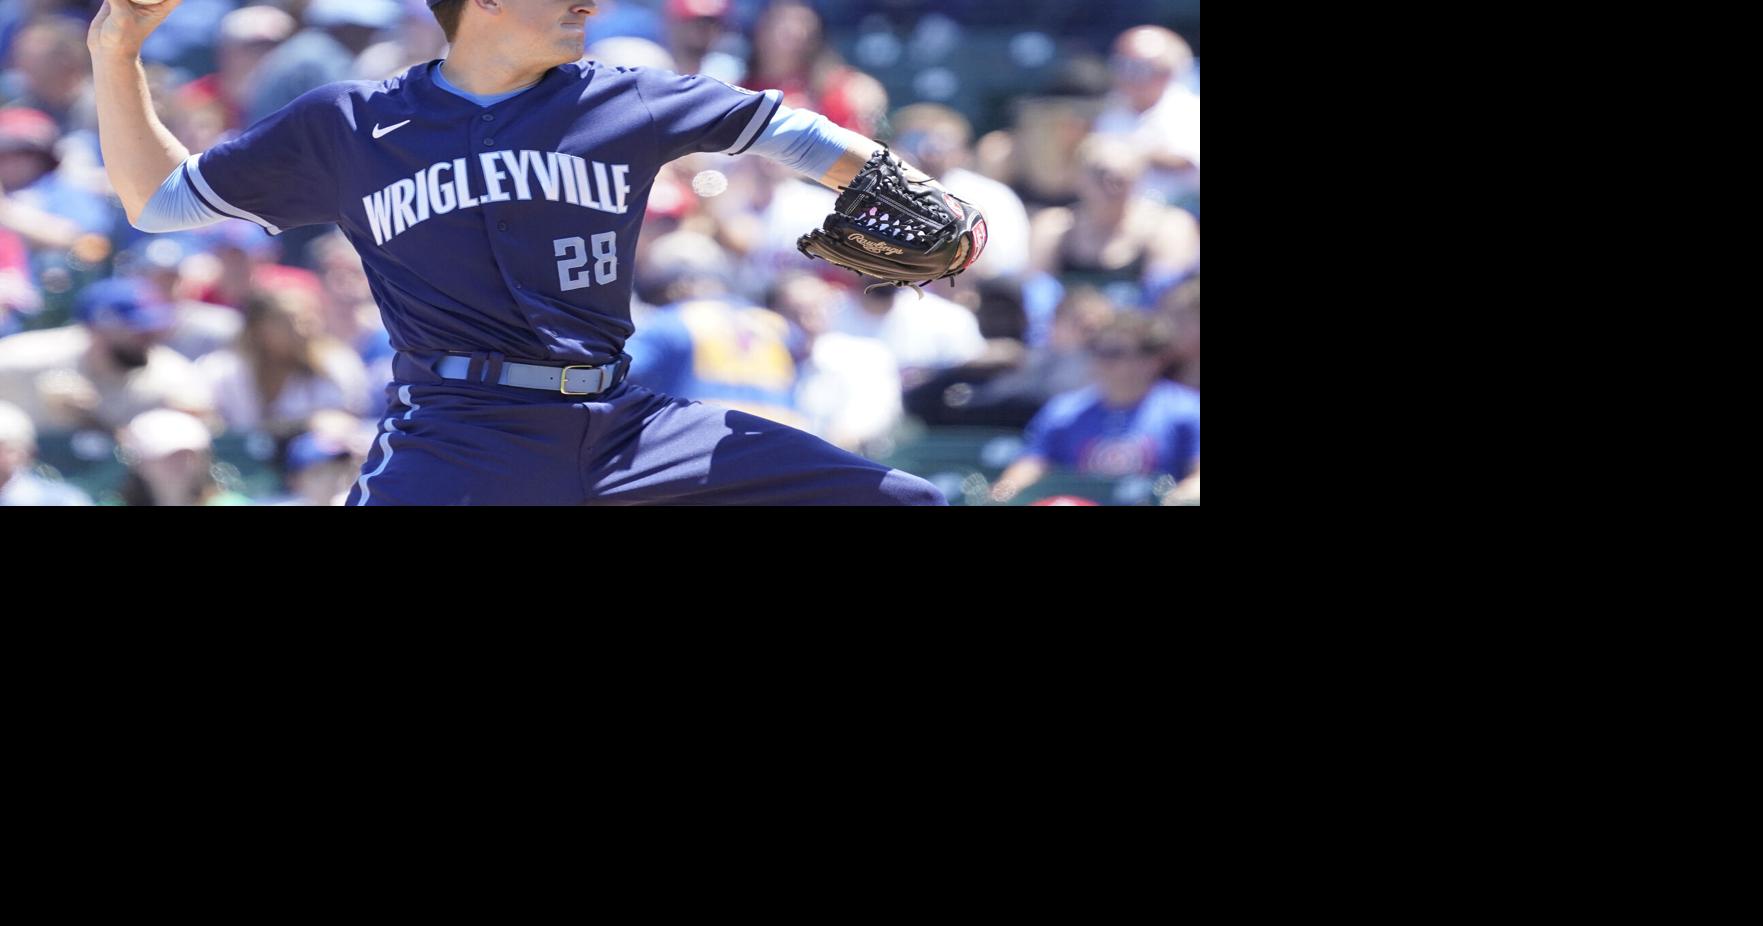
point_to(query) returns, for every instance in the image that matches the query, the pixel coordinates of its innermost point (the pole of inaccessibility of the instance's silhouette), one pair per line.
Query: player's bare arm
(139, 151)
(850, 164)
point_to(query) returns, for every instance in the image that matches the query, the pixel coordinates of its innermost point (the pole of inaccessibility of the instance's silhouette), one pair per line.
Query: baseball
(709, 183)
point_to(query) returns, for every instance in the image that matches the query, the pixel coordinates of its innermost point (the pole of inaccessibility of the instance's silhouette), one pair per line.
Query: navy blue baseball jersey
(507, 228)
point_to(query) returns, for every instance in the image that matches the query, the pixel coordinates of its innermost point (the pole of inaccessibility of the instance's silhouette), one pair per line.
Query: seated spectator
(1130, 422)
(925, 332)
(52, 73)
(1130, 247)
(245, 37)
(1009, 394)
(791, 55)
(104, 371)
(37, 203)
(848, 387)
(704, 344)
(19, 486)
(226, 260)
(171, 463)
(698, 38)
(199, 328)
(1152, 109)
(284, 368)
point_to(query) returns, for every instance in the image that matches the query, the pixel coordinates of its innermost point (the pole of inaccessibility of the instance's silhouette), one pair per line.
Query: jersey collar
(440, 97)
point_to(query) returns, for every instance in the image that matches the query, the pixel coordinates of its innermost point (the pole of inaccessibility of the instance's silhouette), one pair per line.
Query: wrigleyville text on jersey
(499, 176)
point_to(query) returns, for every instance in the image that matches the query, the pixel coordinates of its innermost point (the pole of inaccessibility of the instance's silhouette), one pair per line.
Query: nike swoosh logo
(381, 133)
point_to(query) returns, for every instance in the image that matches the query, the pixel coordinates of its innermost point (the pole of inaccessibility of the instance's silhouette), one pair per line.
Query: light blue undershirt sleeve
(804, 141)
(176, 207)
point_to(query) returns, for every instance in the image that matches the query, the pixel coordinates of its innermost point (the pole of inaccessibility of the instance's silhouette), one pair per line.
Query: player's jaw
(575, 17)
(543, 32)
(559, 25)
(570, 30)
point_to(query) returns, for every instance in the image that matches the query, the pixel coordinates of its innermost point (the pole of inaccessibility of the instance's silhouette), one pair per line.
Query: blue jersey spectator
(1082, 431)
(1130, 421)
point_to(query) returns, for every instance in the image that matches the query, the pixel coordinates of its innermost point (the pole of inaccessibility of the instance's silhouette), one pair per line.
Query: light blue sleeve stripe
(175, 207)
(804, 141)
(771, 102)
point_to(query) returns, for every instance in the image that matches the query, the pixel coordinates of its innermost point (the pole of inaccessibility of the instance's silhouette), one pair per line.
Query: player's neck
(484, 71)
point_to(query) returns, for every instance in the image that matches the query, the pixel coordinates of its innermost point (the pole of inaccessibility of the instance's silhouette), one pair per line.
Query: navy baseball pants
(449, 442)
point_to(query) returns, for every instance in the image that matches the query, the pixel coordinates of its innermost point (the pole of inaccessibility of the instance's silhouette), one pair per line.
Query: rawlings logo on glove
(900, 231)
(875, 247)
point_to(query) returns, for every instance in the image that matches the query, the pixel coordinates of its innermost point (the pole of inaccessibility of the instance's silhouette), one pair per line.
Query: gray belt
(572, 380)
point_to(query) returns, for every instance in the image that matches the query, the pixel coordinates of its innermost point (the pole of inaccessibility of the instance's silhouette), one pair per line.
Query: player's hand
(898, 230)
(121, 26)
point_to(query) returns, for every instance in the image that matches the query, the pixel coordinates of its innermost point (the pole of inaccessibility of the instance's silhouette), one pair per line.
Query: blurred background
(226, 366)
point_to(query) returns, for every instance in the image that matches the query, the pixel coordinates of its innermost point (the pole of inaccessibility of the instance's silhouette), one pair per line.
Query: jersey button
(501, 226)
(489, 142)
(489, 118)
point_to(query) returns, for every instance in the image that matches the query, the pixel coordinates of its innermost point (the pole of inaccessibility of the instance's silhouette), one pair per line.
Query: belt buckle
(563, 379)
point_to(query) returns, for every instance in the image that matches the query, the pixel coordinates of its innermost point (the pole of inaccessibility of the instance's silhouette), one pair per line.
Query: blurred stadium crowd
(226, 366)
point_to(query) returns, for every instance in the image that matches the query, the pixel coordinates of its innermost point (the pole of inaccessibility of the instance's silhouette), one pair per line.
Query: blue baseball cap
(123, 303)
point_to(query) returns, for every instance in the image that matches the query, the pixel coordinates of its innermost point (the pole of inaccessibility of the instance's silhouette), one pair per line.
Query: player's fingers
(122, 24)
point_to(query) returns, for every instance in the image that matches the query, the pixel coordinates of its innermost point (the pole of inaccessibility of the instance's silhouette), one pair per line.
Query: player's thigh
(437, 450)
(655, 449)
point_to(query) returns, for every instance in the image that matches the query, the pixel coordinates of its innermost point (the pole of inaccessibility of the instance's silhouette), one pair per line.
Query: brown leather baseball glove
(900, 231)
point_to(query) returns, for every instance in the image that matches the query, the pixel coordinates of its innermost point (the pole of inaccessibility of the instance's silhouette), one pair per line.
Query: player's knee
(902, 488)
